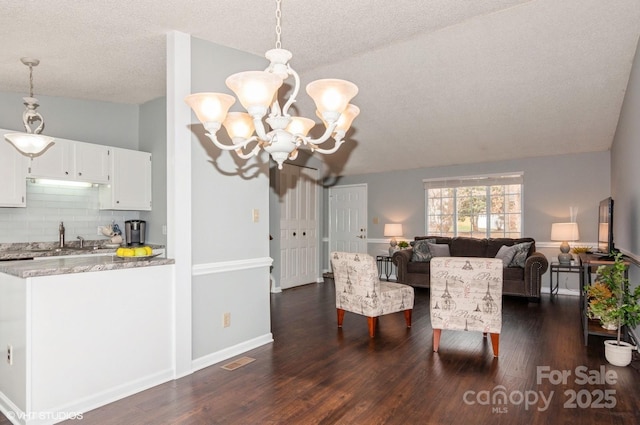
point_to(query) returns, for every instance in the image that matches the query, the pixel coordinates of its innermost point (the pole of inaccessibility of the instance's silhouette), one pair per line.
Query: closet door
(298, 226)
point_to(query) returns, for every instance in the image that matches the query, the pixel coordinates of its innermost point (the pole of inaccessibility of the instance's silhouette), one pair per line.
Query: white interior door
(298, 226)
(348, 218)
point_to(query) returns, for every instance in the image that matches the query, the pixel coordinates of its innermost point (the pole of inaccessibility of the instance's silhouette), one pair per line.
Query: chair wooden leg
(495, 343)
(436, 339)
(372, 326)
(407, 317)
(340, 316)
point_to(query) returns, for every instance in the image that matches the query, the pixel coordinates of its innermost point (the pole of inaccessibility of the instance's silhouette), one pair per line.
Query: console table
(590, 264)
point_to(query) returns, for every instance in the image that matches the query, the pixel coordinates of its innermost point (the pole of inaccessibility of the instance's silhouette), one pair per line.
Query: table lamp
(392, 230)
(564, 232)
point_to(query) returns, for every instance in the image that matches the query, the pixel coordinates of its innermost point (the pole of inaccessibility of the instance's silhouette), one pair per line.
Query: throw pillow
(421, 250)
(506, 253)
(520, 256)
(439, 250)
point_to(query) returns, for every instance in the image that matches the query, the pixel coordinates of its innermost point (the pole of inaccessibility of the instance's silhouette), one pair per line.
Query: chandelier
(31, 143)
(279, 134)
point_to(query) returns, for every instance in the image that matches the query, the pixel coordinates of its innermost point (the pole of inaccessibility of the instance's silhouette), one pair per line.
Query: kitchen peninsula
(80, 332)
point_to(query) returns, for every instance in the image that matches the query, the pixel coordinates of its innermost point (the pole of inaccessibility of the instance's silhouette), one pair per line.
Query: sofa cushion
(468, 247)
(421, 251)
(506, 254)
(439, 250)
(521, 254)
(494, 245)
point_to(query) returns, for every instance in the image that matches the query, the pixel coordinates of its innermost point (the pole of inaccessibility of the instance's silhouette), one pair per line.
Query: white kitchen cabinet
(92, 162)
(130, 186)
(72, 160)
(13, 174)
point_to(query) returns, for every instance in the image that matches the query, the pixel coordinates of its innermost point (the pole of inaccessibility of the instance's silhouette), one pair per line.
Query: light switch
(256, 215)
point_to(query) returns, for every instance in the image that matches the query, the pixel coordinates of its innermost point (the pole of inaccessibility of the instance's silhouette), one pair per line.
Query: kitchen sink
(66, 248)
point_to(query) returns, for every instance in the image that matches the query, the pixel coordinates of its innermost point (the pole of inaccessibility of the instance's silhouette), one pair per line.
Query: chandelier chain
(30, 80)
(278, 25)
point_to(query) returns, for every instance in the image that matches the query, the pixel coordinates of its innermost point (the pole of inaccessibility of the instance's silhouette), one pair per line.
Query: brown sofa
(524, 282)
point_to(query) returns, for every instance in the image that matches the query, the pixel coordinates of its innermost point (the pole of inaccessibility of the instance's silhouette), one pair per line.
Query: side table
(384, 265)
(558, 268)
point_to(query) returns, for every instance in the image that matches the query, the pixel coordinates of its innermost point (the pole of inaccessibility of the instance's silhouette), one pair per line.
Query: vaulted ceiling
(441, 82)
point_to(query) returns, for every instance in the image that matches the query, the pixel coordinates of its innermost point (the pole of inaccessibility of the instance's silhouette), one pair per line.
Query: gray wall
(103, 123)
(552, 185)
(153, 139)
(225, 190)
(625, 175)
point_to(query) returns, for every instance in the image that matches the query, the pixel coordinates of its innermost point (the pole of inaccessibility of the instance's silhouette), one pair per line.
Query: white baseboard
(57, 414)
(562, 291)
(227, 353)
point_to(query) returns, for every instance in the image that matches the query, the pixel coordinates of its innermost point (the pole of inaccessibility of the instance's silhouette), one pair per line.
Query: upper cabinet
(71, 160)
(130, 187)
(13, 172)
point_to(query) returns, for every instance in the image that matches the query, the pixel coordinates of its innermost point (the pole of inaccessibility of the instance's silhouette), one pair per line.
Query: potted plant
(601, 305)
(622, 307)
(403, 244)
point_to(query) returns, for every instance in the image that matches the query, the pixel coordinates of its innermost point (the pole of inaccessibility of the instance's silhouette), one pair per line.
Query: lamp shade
(393, 229)
(565, 232)
(300, 125)
(239, 125)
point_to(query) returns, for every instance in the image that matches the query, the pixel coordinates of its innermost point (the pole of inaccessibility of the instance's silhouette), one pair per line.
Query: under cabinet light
(50, 182)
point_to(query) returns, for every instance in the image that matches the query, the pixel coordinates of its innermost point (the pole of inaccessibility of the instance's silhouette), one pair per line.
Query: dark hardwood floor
(315, 373)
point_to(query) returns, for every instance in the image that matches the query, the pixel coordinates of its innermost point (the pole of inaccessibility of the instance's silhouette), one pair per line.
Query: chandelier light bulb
(255, 89)
(210, 107)
(300, 126)
(239, 125)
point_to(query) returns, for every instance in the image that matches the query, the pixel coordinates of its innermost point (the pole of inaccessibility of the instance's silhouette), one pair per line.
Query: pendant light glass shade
(29, 144)
(255, 89)
(210, 108)
(300, 125)
(239, 125)
(331, 95)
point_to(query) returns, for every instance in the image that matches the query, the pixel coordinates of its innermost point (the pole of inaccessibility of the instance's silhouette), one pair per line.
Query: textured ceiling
(441, 81)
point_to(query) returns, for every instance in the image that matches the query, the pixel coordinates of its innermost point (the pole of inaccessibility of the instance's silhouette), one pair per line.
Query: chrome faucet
(81, 241)
(61, 234)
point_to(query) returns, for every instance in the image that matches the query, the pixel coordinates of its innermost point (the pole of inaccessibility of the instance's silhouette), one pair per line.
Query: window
(478, 207)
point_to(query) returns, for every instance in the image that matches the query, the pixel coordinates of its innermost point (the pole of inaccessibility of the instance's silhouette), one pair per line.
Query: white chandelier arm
(233, 147)
(334, 149)
(29, 116)
(296, 88)
(254, 152)
(259, 128)
(327, 133)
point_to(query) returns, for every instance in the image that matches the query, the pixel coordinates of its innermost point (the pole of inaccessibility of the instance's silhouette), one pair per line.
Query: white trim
(179, 232)
(227, 353)
(230, 266)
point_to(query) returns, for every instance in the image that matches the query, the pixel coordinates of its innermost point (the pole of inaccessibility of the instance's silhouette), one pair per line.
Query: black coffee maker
(134, 231)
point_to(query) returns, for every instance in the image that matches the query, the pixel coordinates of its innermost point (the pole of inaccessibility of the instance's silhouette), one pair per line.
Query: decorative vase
(618, 355)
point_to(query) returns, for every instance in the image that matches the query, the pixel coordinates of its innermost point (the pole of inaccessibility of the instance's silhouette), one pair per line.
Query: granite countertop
(62, 265)
(53, 261)
(24, 250)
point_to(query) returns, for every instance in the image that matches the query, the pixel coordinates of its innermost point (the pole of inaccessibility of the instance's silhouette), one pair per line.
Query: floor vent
(238, 363)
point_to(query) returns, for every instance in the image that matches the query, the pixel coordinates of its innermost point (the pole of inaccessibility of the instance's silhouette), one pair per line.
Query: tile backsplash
(48, 205)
